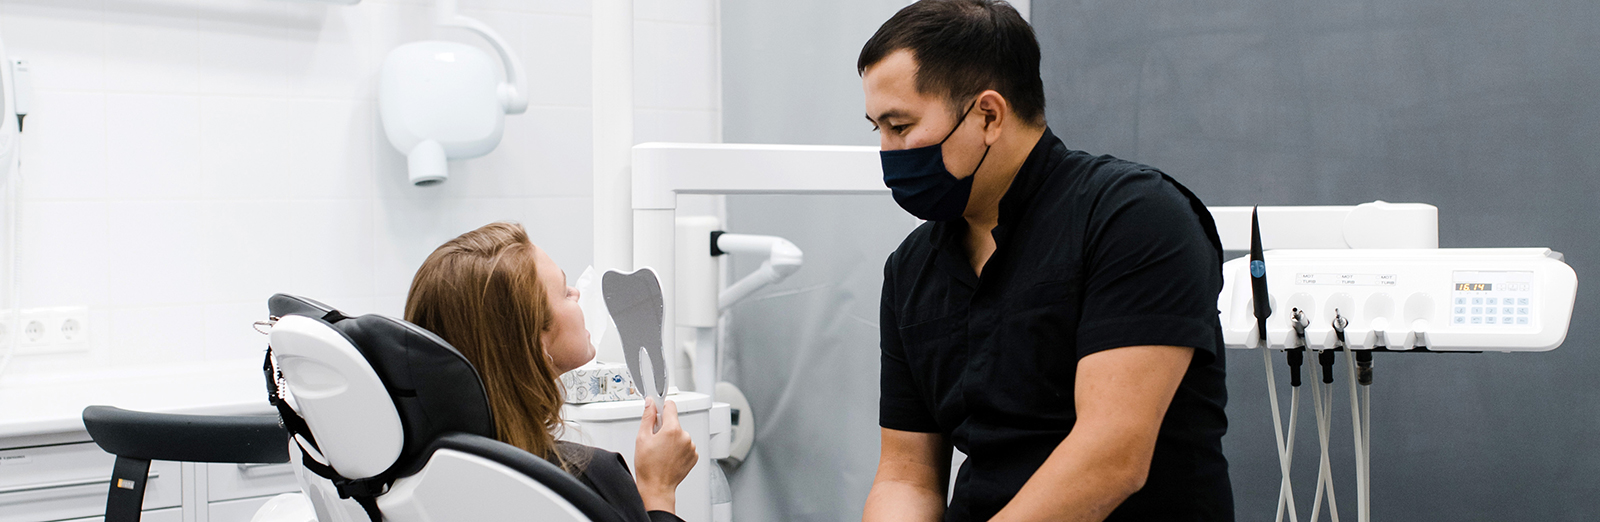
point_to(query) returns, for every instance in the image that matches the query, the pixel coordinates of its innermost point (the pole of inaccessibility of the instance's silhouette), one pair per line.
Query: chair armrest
(187, 438)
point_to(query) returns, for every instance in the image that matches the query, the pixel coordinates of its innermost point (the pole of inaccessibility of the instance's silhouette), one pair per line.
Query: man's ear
(995, 110)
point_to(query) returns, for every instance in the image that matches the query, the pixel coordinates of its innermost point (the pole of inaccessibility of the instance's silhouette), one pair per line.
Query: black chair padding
(280, 305)
(434, 388)
(187, 438)
(542, 471)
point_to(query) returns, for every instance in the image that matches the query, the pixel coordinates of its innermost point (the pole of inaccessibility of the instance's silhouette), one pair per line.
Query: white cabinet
(68, 482)
(236, 481)
(50, 471)
(235, 510)
(159, 515)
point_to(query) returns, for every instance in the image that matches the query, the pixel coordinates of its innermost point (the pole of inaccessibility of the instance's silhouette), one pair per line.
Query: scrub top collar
(946, 235)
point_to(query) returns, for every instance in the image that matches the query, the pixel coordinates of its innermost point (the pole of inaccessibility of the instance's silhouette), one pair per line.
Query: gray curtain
(805, 352)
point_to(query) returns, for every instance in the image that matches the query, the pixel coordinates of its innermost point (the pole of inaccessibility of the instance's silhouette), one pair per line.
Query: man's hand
(1121, 396)
(913, 477)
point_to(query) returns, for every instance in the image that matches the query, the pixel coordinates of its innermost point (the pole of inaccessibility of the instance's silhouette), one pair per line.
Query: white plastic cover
(341, 398)
(457, 486)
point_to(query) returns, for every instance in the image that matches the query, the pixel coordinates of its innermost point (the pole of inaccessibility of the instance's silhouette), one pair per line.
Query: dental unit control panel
(1466, 299)
(1320, 302)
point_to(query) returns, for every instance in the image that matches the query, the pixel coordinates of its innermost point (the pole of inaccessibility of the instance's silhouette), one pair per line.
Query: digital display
(1474, 287)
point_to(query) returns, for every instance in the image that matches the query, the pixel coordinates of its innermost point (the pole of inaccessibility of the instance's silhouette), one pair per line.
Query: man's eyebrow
(892, 113)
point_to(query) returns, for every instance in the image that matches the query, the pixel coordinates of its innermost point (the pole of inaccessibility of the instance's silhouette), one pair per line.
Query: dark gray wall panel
(1484, 108)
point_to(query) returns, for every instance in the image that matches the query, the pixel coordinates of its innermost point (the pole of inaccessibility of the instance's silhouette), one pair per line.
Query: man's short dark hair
(964, 47)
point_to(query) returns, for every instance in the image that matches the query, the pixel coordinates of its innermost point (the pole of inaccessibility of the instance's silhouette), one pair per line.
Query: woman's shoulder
(589, 460)
(607, 473)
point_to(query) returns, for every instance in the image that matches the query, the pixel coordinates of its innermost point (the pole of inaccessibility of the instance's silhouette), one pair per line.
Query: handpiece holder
(513, 92)
(1408, 300)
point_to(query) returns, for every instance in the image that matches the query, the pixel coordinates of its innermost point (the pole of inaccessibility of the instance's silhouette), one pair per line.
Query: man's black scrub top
(1093, 253)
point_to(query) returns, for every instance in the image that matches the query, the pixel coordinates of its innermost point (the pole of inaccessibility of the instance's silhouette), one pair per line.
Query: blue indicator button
(1461, 320)
(1477, 310)
(1522, 320)
(1477, 300)
(1522, 311)
(1489, 301)
(1477, 320)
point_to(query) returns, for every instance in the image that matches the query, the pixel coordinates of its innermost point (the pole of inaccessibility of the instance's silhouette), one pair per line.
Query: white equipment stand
(1403, 295)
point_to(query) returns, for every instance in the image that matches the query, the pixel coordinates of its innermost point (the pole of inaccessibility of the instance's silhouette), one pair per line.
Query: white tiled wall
(188, 158)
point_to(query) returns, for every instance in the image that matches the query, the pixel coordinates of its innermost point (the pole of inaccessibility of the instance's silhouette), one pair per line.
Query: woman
(506, 306)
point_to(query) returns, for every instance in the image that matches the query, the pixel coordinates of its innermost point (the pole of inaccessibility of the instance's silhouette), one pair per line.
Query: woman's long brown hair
(480, 292)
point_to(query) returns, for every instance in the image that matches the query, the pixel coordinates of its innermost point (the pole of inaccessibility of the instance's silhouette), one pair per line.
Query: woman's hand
(662, 458)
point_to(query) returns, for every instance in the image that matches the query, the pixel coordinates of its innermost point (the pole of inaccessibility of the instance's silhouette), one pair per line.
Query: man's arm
(1121, 396)
(913, 477)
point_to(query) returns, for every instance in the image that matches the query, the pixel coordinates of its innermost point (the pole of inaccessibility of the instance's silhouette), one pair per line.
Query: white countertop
(687, 402)
(53, 404)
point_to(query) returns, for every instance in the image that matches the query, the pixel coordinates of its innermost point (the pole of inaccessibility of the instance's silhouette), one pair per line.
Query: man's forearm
(1086, 477)
(892, 501)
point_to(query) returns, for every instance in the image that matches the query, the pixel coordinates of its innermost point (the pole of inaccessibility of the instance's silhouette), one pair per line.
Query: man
(1055, 319)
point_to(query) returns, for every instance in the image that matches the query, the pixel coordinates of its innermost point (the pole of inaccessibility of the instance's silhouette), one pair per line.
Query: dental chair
(386, 421)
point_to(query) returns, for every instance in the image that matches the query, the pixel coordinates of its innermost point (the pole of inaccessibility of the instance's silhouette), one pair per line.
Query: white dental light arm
(783, 260)
(513, 92)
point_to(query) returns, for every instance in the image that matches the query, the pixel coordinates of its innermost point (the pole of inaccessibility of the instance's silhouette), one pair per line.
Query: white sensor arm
(783, 260)
(514, 91)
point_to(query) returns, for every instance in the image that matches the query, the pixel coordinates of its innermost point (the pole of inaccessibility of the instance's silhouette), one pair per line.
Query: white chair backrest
(460, 486)
(345, 405)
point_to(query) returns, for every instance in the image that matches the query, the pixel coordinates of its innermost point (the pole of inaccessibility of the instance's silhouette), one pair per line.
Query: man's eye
(899, 129)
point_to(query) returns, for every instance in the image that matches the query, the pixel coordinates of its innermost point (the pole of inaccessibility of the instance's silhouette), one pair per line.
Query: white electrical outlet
(7, 326)
(52, 330)
(34, 329)
(71, 325)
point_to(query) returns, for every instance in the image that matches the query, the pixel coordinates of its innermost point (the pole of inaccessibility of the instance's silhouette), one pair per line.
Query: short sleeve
(1153, 271)
(900, 407)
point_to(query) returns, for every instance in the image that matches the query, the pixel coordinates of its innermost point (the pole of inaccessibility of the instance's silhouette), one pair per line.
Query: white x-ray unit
(1363, 279)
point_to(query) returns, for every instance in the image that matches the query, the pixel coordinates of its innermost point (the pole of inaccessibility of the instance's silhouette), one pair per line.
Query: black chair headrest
(435, 389)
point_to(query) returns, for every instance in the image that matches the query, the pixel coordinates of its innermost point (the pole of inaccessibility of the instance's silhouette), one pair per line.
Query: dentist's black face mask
(920, 183)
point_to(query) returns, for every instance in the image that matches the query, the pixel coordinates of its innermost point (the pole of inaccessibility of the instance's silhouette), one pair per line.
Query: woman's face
(567, 340)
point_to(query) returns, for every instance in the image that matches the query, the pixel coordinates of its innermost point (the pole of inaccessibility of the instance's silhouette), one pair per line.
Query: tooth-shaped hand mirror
(635, 303)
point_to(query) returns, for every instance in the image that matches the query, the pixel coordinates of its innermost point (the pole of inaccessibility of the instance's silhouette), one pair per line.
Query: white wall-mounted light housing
(443, 100)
